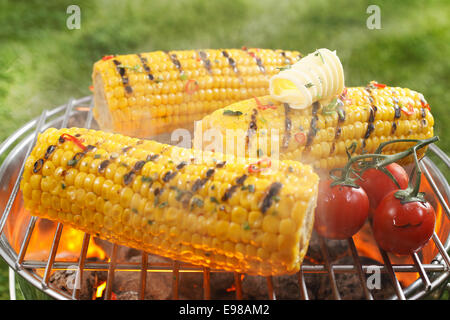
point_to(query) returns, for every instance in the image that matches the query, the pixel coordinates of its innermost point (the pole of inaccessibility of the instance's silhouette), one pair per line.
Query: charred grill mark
(260, 65)
(139, 165)
(123, 75)
(181, 165)
(173, 57)
(229, 192)
(206, 62)
(394, 127)
(240, 181)
(209, 173)
(126, 149)
(313, 126)
(252, 127)
(287, 126)
(231, 62)
(287, 60)
(102, 166)
(128, 177)
(221, 164)
(372, 112)
(38, 165)
(147, 69)
(273, 191)
(152, 157)
(398, 112)
(200, 182)
(49, 151)
(169, 175)
(227, 195)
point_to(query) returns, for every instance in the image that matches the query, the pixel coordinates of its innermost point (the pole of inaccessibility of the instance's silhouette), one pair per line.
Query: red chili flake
(91, 88)
(107, 57)
(343, 94)
(425, 105)
(259, 166)
(379, 85)
(78, 142)
(300, 137)
(252, 54)
(409, 111)
(189, 88)
(264, 107)
(244, 48)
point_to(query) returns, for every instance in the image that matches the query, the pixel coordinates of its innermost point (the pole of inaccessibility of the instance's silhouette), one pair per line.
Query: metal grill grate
(431, 275)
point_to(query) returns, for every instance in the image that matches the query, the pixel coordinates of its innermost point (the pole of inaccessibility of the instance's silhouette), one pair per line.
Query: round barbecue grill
(425, 272)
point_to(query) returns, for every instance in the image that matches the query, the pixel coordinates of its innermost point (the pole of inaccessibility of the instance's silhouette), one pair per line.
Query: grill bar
(26, 241)
(206, 284)
(270, 290)
(111, 270)
(358, 266)
(175, 279)
(422, 272)
(52, 255)
(143, 279)
(397, 287)
(81, 264)
(301, 283)
(238, 285)
(329, 269)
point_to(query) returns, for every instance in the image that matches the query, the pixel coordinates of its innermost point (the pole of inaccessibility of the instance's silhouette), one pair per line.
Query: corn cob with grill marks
(197, 207)
(146, 94)
(319, 135)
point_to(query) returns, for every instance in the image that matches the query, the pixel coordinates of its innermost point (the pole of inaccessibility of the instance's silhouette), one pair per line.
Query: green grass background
(43, 64)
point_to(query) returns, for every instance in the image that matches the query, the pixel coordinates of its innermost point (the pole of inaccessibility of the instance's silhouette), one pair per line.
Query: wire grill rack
(19, 145)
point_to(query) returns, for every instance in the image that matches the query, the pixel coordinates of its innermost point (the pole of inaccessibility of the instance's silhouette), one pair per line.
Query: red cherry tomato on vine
(341, 210)
(403, 228)
(377, 184)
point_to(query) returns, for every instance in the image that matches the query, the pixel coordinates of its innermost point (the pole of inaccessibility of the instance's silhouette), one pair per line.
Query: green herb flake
(318, 54)
(97, 156)
(232, 113)
(214, 199)
(163, 204)
(284, 67)
(146, 179)
(63, 186)
(183, 77)
(251, 188)
(134, 210)
(276, 198)
(72, 162)
(309, 85)
(150, 222)
(246, 226)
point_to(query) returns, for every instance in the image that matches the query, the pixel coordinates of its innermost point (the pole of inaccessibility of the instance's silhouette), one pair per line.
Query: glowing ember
(100, 289)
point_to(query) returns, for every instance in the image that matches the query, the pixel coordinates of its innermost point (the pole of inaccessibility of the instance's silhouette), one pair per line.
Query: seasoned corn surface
(146, 94)
(192, 206)
(359, 120)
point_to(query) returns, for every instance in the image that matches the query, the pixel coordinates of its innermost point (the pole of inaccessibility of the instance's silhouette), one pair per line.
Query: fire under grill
(68, 264)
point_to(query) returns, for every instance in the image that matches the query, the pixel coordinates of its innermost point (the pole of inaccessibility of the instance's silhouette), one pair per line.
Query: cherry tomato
(403, 228)
(341, 210)
(377, 184)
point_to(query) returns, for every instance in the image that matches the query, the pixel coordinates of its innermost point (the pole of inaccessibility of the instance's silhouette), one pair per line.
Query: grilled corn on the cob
(363, 117)
(146, 94)
(179, 203)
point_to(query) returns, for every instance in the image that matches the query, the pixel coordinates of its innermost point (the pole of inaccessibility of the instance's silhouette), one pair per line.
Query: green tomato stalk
(349, 174)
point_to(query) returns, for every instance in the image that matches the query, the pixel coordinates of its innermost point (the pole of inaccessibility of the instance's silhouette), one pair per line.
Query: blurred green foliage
(43, 63)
